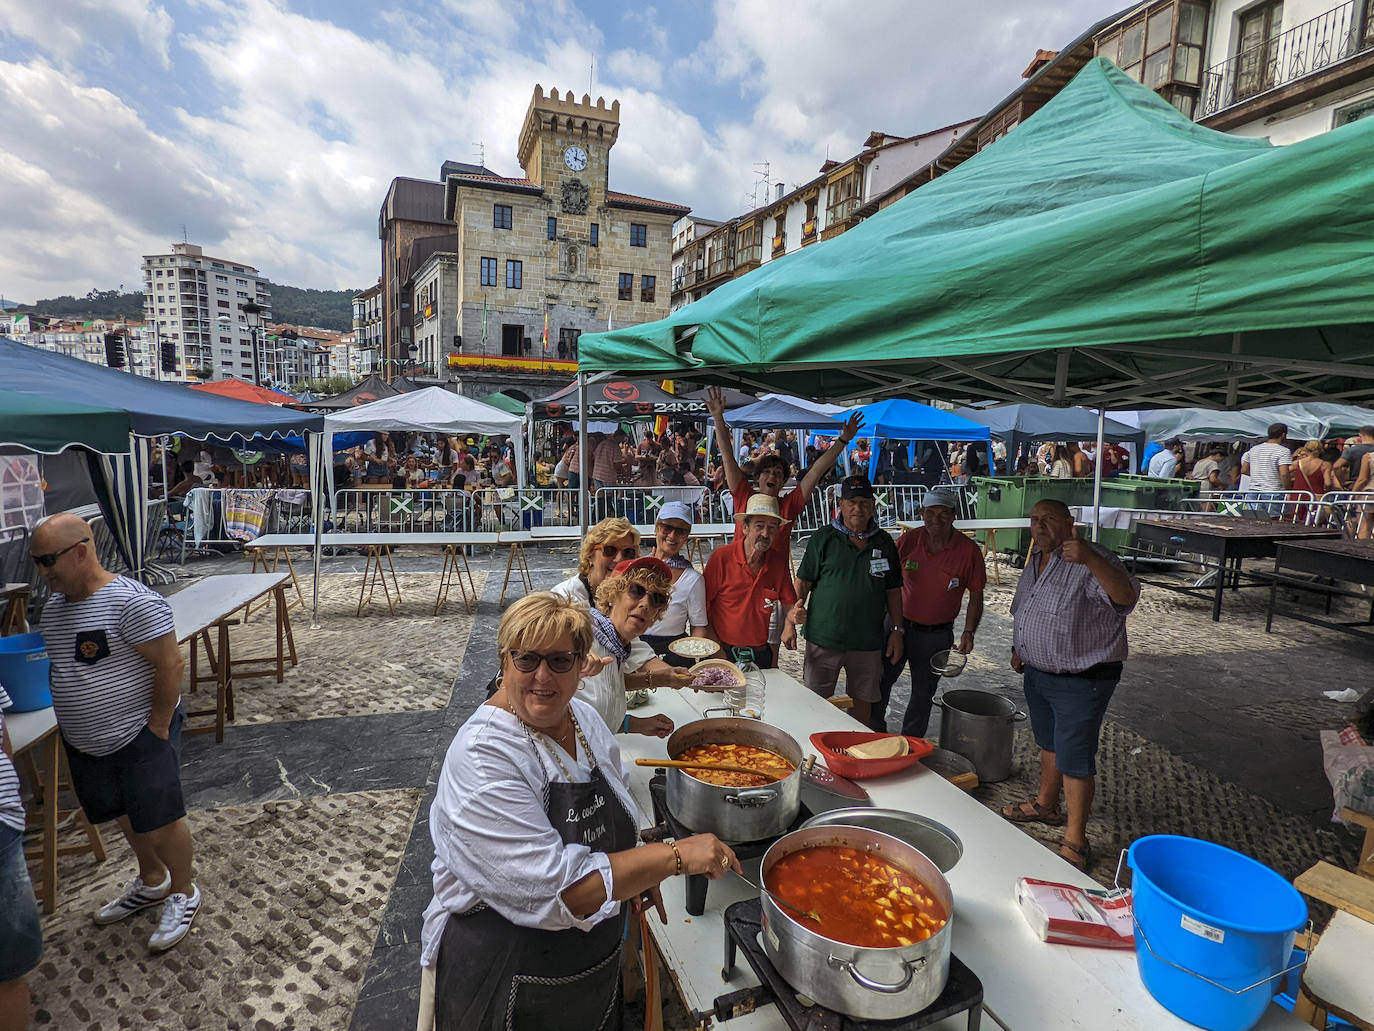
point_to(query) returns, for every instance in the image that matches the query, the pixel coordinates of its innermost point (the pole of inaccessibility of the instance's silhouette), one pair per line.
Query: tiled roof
(497, 179)
(612, 197)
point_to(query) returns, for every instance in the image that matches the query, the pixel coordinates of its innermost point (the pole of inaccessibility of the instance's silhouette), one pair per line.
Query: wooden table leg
(471, 586)
(395, 584)
(653, 989)
(224, 686)
(295, 581)
(510, 562)
(48, 861)
(445, 577)
(364, 595)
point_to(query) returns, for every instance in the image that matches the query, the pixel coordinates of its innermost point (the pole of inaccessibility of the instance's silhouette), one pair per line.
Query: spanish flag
(661, 423)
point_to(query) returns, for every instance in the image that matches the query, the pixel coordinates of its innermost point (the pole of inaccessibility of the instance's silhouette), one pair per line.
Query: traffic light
(114, 351)
(168, 349)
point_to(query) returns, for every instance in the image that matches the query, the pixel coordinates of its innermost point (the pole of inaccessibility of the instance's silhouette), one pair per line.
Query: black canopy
(611, 397)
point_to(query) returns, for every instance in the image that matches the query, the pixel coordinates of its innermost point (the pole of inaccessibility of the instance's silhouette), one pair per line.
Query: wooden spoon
(679, 764)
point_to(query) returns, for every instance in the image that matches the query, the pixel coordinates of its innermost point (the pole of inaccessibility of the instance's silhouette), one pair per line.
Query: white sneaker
(177, 913)
(135, 896)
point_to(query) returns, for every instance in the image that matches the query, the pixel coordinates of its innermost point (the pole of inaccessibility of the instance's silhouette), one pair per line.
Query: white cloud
(635, 68)
(74, 31)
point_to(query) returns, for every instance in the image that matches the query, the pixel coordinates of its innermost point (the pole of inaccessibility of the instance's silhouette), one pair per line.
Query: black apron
(492, 974)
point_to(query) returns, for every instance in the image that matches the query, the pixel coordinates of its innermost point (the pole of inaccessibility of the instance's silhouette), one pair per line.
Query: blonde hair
(1313, 448)
(612, 529)
(611, 588)
(541, 618)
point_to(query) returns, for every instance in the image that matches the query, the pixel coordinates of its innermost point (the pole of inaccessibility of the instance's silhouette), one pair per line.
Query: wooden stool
(14, 619)
(1336, 979)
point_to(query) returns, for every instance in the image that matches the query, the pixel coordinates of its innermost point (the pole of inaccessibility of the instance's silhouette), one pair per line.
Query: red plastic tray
(829, 743)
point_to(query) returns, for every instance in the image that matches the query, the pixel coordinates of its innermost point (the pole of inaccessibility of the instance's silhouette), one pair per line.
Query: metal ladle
(810, 914)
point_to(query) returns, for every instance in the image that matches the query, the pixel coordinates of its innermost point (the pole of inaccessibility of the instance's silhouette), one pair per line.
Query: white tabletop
(362, 540)
(970, 525)
(205, 602)
(1030, 985)
(26, 728)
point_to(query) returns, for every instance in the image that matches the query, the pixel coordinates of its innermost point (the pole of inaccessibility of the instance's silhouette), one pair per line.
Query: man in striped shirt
(21, 937)
(116, 687)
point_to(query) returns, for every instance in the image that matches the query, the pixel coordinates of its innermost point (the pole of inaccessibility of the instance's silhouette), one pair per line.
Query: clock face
(575, 158)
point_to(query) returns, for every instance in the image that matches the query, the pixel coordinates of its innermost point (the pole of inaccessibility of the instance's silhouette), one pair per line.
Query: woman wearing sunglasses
(608, 543)
(628, 602)
(686, 612)
(536, 847)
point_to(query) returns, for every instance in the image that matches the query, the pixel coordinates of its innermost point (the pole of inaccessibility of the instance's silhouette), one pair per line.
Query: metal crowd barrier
(1294, 506)
(1352, 510)
(424, 510)
(901, 502)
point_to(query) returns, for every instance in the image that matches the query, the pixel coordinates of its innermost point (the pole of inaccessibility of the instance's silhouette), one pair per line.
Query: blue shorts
(141, 781)
(21, 937)
(1066, 712)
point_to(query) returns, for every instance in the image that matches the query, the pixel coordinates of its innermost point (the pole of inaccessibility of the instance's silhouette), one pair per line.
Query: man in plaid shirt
(1069, 643)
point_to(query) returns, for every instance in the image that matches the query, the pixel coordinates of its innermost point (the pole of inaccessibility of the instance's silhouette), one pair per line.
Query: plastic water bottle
(747, 699)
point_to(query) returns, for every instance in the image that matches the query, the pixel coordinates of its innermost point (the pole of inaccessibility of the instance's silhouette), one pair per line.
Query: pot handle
(1018, 717)
(938, 702)
(752, 798)
(878, 986)
(719, 708)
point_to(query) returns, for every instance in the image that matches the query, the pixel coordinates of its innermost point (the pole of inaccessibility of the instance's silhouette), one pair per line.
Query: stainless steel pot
(979, 725)
(863, 983)
(931, 838)
(734, 814)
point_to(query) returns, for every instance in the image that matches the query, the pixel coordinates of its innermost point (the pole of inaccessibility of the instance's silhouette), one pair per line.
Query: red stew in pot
(861, 898)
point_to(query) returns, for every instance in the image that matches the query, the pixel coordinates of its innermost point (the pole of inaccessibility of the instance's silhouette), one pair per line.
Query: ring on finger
(724, 861)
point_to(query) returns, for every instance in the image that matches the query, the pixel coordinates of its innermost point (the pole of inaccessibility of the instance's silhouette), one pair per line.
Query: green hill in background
(327, 309)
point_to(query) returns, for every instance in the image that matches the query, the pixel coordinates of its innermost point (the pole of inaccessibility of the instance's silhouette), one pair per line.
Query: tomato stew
(736, 755)
(861, 899)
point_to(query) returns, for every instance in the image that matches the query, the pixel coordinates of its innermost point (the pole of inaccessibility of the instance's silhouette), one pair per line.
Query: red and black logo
(644, 407)
(554, 409)
(620, 391)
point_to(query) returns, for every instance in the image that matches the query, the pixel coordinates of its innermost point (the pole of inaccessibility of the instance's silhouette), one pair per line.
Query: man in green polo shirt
(853, 579)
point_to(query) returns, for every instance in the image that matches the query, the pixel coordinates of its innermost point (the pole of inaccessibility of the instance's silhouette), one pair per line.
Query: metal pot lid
(931, 838)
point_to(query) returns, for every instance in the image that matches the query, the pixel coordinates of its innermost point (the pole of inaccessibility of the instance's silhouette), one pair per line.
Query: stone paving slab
(294, 894)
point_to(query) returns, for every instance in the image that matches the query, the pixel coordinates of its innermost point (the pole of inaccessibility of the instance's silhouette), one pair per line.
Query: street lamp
(253, 313)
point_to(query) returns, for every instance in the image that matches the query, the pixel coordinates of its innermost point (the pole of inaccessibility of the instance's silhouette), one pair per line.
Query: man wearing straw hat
(745, 580)
(939, 566)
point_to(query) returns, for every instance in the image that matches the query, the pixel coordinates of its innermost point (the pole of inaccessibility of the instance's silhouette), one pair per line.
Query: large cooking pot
(734, 814)
(860, 982)
(979, 725)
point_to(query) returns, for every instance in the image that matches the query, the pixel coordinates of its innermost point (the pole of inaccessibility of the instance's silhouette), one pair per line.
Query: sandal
(1076, 855)
(1036, 814)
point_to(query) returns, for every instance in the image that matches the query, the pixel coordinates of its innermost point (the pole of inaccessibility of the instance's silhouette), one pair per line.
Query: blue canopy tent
(1023, 424)
(154, 409)
(897, 419)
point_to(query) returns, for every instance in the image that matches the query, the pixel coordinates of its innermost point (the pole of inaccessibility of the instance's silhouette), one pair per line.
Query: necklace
(531, 733)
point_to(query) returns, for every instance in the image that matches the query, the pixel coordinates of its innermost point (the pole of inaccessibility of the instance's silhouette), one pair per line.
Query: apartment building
(364, 349)
(195, 305)
(116, 343)
(708, 254)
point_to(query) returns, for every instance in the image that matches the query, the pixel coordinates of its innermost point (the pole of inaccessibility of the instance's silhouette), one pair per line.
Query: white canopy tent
(429, 410)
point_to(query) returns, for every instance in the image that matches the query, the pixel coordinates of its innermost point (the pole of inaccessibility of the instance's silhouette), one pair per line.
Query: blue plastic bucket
(24, 671)
(1213, 929)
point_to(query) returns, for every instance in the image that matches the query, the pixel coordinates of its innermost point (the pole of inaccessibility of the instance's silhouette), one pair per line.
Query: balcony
(808, 230)
(779, 244)
(1314, 46)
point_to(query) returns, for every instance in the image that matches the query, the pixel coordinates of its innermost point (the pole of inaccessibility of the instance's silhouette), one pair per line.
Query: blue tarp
(154, 407)
(1025, 424)
(775, 413)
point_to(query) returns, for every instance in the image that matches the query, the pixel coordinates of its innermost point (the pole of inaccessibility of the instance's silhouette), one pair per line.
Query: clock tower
(565, 148)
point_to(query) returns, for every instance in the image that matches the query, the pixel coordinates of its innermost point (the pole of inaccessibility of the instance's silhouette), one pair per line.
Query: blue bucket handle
(1116, 883)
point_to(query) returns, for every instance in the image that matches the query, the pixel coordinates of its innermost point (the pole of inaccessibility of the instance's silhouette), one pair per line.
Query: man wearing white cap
(686, 611)
(939, 564)
(745, 580)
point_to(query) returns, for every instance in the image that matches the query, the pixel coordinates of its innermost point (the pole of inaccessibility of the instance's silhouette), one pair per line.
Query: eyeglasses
(48, 561)
(611, 551)
(638, 591)
(558, 662)
(670, 530)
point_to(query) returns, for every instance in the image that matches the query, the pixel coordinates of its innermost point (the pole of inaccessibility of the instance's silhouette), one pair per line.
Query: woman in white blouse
(686, 613)
(536, 847)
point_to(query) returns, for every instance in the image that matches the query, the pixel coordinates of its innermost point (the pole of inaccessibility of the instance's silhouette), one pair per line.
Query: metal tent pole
(582, 495)
(1097, 476)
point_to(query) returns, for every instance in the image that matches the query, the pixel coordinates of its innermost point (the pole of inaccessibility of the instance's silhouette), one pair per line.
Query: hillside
(327, 309)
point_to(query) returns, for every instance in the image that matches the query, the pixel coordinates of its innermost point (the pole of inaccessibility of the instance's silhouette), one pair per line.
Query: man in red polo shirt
(771, 472)
(745, 580)
(938, 565)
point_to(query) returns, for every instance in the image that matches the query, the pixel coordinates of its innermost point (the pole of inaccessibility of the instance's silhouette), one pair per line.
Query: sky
(268, 131)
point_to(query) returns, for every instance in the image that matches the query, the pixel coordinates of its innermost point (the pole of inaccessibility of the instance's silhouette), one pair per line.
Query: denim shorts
(141, 781)
(1066, 713)
(21, 937)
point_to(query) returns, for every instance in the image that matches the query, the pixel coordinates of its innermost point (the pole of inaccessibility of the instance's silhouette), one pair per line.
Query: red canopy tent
(241, 390)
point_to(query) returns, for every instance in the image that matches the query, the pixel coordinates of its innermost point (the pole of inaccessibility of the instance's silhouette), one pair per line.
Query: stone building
(556, 248)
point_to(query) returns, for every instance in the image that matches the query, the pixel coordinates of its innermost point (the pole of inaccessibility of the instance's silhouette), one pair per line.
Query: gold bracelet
(677, 856)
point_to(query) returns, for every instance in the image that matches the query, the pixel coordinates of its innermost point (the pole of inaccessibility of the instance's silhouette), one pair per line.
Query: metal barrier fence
(428, 510)
(1352, 510)
(1294, 506)
(901, 502)
(212, 518)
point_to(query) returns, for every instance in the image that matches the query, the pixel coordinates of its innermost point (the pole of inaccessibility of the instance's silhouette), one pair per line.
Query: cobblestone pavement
(311, 818)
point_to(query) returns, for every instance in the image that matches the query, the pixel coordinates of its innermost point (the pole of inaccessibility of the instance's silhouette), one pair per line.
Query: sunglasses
(669, 530)
(611, 551)
(558, 662)
(48, 561)
(637, 593)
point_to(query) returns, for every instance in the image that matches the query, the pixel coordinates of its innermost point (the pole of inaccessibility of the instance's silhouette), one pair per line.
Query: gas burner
(743, 924)
(669, 826)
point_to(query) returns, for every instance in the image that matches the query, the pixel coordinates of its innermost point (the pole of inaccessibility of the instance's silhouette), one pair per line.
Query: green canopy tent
(1108, 253)
(507, 404)
(49, 425)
